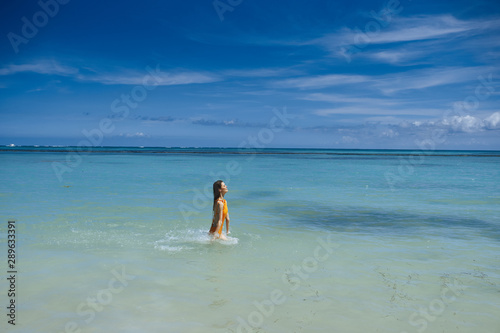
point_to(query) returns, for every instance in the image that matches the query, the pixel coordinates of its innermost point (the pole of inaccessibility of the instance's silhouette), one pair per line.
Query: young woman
(220, 213)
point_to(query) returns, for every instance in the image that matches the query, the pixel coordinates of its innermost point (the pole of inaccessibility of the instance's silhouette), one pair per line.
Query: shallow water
(319, 242)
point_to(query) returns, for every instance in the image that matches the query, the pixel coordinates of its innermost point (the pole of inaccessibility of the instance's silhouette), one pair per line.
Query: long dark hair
(217, 186)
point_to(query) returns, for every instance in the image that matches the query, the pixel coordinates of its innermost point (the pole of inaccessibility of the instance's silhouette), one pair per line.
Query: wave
(189, 239)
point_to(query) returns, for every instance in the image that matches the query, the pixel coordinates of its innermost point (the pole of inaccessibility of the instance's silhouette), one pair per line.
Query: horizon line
(240, 151)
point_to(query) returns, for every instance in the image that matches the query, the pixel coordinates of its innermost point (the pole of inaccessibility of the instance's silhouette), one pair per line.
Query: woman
(220, 213)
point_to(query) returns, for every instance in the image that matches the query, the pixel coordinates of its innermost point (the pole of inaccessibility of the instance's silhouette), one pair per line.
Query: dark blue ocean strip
(247, 151)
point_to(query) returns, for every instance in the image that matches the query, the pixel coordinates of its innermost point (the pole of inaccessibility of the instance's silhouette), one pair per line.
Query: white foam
(171, 248)
(188, 239)
(229, 241)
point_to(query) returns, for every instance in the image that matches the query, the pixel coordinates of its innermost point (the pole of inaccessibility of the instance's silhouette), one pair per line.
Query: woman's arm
(227, 223)
(220, 208)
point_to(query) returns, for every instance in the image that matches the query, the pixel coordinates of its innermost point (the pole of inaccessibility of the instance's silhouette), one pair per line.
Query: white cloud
(137, 78)
(321, 81)
(133, 135)
(493, 121)
(375, 111)
(337, 98)
(471, 124)
(262, 72)
(349, 139)
(468, 124)
(397, 56)
(390, 133)
(41, 67)
(464, 124)
(388, 84)
(124, 76)
(410, 40)
(427, 78)
(383, 120)
(404, 29)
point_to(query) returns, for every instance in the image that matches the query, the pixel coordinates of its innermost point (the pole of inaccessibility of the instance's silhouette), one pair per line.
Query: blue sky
(347, 74)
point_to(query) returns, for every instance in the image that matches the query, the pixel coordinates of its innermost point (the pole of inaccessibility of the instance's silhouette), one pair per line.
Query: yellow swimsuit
(213, 228)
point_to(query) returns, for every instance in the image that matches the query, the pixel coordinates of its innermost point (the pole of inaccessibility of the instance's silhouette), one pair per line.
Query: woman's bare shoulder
(220, 204)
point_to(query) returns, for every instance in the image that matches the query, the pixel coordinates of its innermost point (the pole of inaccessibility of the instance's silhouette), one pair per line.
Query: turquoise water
(321, 240)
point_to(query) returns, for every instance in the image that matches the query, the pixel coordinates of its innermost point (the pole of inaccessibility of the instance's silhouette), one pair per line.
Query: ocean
(115, 240)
